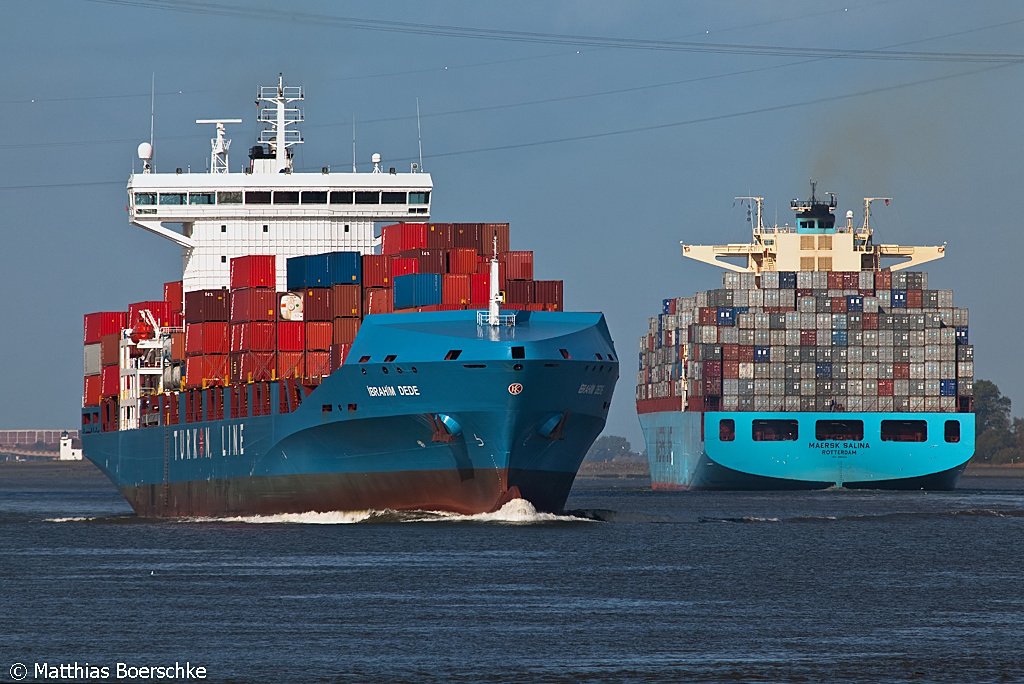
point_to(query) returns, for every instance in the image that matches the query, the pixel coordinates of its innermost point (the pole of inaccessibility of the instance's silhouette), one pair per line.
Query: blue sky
(603, 154)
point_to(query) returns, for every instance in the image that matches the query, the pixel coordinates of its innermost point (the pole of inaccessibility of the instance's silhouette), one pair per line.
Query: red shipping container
(485, 267)
(110, 349)
(207, 338)
(835, 280)
(883, 280)
(399, 237)
(462, 260)
(869, 321)
(746, 353)
(161, 311)
(731, 352)
(915, 299)
(319, 335)
(519, 291)
(96, 325)
(885, 388)
(253, 366)
(110, 383)
(291, 336)
(518, 265)
(255, 336)
(318, 363)
(808, 338)
(838, 304)
(345, 330)
(253, 304)
(479, 288)
(253, 270)
(207, 305)
(731, 370)
(346, 301)
(455, 288)
(439, 236)
(550, 292)
(91, 394)
(206, 370)
(376, 270)
(291, 365)
(901, 370)
(177, 346)
(174, 294)
(429, 260)
(480, 236)
(338, 354)
(377, 301)
(403, 266)
(316, 304)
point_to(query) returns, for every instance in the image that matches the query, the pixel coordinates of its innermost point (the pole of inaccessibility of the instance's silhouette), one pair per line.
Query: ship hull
(416, 433)
(686, 450)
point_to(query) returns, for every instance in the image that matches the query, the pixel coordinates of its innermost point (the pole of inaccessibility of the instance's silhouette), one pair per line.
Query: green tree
(991, 408)
(998, 440)
(611, 447)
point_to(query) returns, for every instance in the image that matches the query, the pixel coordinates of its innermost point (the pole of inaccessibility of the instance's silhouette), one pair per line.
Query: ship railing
(484, 318)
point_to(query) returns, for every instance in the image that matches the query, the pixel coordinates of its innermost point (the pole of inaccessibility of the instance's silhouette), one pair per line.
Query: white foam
(516, 511)
(310, 518)
(64, 520)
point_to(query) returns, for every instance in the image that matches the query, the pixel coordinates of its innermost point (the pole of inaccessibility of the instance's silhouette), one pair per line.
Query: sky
(605, 132)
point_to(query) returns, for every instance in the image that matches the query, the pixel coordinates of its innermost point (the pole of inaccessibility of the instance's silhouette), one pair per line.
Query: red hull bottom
(478, 491)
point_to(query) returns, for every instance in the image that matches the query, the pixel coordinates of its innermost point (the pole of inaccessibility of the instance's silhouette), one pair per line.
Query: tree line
(999, 436)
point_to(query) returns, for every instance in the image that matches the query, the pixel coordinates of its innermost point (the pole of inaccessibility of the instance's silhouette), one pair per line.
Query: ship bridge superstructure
(266, 207)
(814, 243)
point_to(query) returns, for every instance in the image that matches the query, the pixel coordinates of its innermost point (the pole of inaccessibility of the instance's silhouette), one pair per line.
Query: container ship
(307, 363)
(814, 366)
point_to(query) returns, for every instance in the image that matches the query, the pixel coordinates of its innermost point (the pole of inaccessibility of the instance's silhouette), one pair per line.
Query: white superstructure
(267, 208)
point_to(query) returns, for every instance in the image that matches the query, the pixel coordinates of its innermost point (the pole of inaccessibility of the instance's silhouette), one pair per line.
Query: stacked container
(810, 341)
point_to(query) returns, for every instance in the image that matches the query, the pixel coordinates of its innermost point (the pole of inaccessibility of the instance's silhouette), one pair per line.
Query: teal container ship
(312, 360)
(818, 364)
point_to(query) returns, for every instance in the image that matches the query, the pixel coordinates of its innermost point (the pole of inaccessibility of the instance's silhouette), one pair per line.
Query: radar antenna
(219, 145)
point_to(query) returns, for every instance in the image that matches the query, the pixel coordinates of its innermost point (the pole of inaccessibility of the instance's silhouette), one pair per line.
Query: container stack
(810, 341)
(102, 333)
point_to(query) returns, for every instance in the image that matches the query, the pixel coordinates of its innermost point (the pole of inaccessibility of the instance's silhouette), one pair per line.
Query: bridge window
(727, 430)
(172, 198)
(392, 198)
(419, 197)
(367, 197)
(229, 197)
(146, 198)
(952, 431)
(775, 430)
(201, 198)
(314, 197)
(839, 430)
(341, 197)
(904, 431)
(257, 197)
(286, 197)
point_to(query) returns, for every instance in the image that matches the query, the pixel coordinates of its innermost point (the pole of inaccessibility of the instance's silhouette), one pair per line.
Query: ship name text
(393, 390)
(839, 449)
(591, 389)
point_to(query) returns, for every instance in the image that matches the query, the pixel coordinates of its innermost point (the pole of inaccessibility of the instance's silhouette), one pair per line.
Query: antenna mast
(219, 145)
(353, 143)
(867, 211)
(419, 132)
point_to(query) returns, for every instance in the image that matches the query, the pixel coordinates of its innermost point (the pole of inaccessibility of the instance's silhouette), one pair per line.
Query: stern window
(904, 431)
(839, 430)
(953, 431)
(775, 430)
(727, 430)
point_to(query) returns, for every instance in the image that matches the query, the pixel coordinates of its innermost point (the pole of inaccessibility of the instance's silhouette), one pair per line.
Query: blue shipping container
(762, 354)
(666, 306)
(855, 303)
(726, 316)
(947, 388)
(840, 338)
(310, 270)
(787, 280)
(345, 268)
(961, 334)
(823, 370)
(899, 299)
(417, 289)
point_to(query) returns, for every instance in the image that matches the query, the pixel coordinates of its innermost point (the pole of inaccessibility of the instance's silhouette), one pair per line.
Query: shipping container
(91, 394)
(316, 304)
(291, 336)
(455, 288)
(254, 304)
(110, 349)
(310, 270)
(518, 265)
(207, 338)
(91, 361)
(202, 306)
(481, 237)
(174, 294)
(439, 235)
(400, 266)
(160, 310)
(290, 365)
(420, 289)
(520, 291)
(319, 335)
(427, 260)
(344, 268)
(345, 330)
(177, 346)
(550, 292)
(376, 270)
(253, 271)
(110, 383)
(318, 363)
(377, 301)
(96, 325)
(209, 370)
(257, 336)
(346, 301)
(462, 260)
(338, 354)
(252, 366)
(400, 237)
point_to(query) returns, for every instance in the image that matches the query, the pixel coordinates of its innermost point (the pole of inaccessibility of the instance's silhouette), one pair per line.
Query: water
(631, 585)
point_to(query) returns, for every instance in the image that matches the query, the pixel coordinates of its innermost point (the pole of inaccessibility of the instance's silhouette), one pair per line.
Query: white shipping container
(91, 360)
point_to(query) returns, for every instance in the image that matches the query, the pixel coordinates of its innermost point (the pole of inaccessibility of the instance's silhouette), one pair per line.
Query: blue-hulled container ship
(818, 364)
(308, 361)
